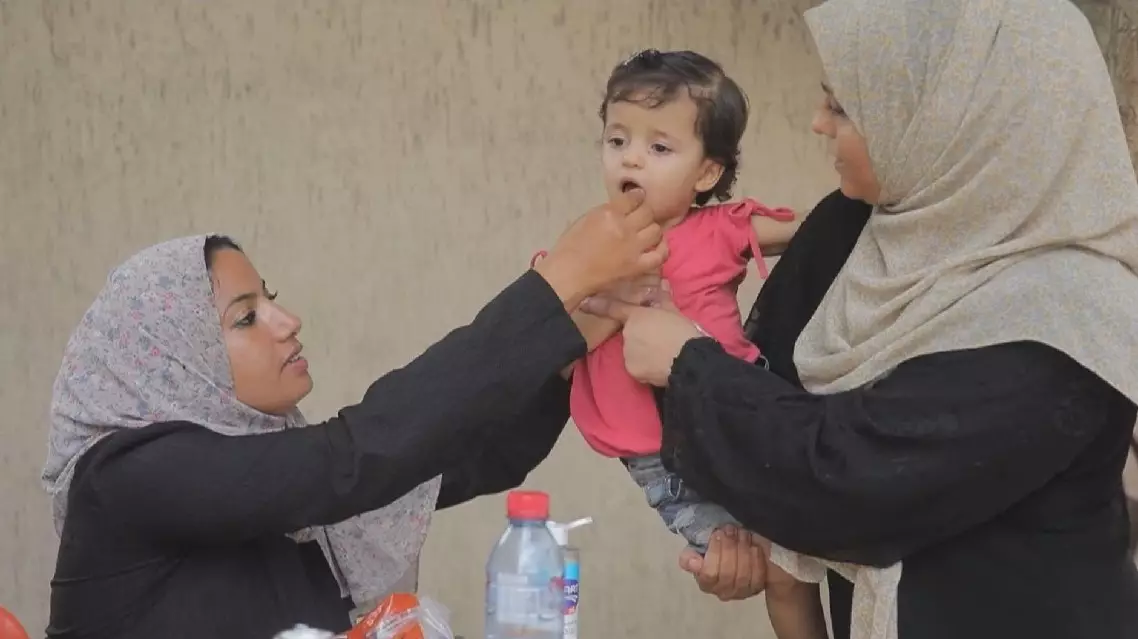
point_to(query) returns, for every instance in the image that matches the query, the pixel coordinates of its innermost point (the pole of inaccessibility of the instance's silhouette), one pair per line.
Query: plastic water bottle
(524, 592)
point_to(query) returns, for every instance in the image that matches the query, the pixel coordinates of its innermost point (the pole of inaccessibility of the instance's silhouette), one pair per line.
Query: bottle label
(572, 591)
(523, 601)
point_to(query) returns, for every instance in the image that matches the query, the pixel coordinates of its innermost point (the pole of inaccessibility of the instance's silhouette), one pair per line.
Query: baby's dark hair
(652, 78)
(215, 243)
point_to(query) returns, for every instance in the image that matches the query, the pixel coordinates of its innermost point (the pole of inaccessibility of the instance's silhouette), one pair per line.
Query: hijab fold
(1011, 206)
(150, 349)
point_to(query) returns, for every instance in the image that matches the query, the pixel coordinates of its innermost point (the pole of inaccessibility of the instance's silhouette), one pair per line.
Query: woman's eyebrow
(244, 297)
(240, 298)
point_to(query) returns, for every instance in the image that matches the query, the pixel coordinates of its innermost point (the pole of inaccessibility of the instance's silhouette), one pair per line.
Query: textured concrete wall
(389, 165)
(1116, 25)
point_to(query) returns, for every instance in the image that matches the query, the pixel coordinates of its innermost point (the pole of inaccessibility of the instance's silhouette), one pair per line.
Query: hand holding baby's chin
(615, 241)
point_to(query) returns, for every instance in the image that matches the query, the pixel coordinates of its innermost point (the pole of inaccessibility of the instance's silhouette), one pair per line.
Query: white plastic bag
(302, 631)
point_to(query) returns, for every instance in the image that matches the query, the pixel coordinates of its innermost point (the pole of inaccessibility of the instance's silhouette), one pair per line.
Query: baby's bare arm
(774, 235)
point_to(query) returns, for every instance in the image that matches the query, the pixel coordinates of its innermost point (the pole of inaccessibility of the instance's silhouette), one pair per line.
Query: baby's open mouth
(628, 185)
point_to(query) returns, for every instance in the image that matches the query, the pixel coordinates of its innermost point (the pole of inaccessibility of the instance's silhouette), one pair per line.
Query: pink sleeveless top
(707, 260)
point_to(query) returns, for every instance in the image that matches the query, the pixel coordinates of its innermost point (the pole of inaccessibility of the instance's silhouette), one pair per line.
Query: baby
(673, 122)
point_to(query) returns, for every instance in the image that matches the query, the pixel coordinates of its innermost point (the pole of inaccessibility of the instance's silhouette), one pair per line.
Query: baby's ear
(709, 176)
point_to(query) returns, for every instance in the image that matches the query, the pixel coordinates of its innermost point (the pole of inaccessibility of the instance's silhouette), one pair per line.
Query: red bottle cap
(527, 504)
(10, 627)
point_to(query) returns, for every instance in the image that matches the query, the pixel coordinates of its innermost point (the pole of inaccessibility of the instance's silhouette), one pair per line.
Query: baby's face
(658, 150)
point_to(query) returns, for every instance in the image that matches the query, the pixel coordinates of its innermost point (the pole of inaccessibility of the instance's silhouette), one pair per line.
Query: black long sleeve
(512, 450)
(944, 443)
(905, 469)
(181, 482)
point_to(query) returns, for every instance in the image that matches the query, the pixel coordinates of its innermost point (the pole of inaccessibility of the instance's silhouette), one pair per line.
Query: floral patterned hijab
(150, 349)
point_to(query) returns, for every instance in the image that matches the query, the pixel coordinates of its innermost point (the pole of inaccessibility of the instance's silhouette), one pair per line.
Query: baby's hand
(635, 291)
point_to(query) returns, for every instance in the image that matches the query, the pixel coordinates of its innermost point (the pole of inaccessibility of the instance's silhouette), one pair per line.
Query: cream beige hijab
(1012, 205)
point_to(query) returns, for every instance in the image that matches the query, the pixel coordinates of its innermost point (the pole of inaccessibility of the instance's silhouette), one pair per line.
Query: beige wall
(1116, 25)
(389, 165)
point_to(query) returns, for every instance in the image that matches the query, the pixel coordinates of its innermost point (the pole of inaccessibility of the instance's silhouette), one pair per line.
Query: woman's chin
(299, 388)
(306, 387)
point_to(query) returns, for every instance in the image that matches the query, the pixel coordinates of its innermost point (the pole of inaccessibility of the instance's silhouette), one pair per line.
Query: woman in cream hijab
(949, 429)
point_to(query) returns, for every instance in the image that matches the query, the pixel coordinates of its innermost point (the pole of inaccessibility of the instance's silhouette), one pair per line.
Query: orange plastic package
(403, 616)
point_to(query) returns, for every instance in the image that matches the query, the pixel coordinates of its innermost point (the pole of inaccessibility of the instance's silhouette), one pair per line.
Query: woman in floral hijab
(194, 500)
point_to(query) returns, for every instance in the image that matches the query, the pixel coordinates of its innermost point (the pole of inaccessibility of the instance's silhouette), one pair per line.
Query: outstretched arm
(182, 482)
(512, 450)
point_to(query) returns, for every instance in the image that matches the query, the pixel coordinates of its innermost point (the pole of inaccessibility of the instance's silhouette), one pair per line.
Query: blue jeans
(684, 512)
